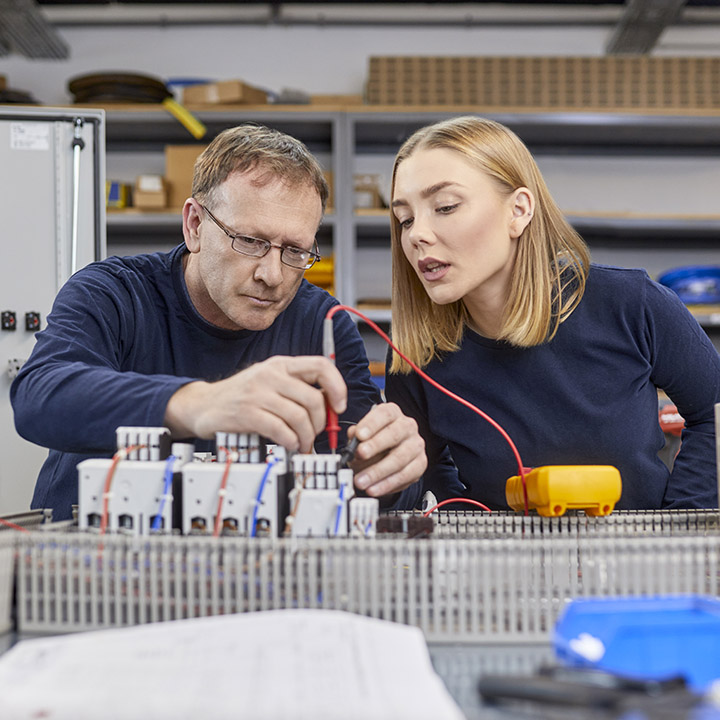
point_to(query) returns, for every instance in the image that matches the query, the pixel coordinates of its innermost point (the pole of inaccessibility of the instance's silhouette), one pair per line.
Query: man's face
(235, 291)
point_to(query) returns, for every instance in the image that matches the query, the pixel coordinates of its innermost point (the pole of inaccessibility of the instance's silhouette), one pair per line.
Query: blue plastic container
(644, 638)
(695, 284)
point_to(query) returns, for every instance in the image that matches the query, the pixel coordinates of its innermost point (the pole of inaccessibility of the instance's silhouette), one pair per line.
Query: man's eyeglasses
(290, 255)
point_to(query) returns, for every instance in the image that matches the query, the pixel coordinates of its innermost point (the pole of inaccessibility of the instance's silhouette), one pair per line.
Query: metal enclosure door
(46, 184)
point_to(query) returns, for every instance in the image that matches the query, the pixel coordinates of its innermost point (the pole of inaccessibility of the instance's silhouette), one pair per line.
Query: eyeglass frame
(314, 254)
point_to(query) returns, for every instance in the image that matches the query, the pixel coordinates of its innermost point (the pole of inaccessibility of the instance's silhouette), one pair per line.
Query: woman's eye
(447, 208)
(405, 223)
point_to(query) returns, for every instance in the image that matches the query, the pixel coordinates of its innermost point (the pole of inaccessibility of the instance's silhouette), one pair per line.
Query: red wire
(442, 389)
(221, 492)
(119, 455)
(454, 500)
(13, 525)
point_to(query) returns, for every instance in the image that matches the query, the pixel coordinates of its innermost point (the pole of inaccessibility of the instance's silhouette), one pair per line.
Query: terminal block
(139, 493)
(319, 497)
(250, 498)
(143, 443)
(553, 489)
(245, 445)
(139, 482)
(406, 524)
(363, 516)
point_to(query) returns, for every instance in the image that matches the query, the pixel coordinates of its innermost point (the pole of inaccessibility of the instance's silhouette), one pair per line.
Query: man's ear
(192, 215)
(522, 204)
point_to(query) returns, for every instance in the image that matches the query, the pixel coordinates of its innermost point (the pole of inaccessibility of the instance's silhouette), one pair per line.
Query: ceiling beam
(641, 25)
(24, 29)
(436, 14)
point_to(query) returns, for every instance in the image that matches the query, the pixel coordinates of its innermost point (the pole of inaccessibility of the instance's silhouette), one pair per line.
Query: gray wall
(314, 59)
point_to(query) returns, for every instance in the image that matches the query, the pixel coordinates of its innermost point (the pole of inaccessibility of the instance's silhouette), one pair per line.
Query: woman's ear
(522, 204)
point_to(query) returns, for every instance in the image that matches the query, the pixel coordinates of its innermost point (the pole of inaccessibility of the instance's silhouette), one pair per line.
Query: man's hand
(391, 454)
(276, 398)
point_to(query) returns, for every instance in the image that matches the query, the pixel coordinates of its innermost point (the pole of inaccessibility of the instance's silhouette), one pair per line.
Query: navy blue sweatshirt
(123, 336)
(589, 396)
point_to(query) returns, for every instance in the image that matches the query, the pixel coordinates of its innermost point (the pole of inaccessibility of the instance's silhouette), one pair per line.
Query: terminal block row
(153, 486)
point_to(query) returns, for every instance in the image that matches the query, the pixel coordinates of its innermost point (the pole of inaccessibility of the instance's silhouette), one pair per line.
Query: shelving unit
(144, 130)
(356, 139)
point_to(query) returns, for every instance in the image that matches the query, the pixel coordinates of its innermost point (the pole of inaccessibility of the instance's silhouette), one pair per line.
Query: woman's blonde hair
(551, 265)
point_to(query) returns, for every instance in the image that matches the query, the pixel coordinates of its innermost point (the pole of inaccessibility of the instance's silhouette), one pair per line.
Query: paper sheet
(277, 665)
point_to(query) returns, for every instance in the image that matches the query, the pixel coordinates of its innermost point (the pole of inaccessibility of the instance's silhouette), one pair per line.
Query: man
(220, 334)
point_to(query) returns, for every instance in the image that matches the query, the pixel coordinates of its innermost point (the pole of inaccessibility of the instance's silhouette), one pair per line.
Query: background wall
(334, 59)
(314, 59)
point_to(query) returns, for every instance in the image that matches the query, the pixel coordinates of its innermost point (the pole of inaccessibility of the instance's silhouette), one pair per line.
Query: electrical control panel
(52, 203)
(246, 489)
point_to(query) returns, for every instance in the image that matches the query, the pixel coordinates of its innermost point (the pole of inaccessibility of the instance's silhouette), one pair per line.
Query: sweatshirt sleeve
(687, 367)
(73, 392)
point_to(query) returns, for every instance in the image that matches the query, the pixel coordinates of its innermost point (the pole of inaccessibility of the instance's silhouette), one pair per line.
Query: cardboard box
(179, 165)
(336, 99)
(367, 192)
(549, 83)
(149, 192)
(224, 93)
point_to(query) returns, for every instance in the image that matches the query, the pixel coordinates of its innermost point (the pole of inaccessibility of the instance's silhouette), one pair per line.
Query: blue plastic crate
(694, 284)
(652, 638)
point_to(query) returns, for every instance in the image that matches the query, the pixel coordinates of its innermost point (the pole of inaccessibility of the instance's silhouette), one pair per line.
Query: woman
(495, 297)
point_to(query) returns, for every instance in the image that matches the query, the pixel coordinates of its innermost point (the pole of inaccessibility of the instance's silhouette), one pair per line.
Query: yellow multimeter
(553, 489)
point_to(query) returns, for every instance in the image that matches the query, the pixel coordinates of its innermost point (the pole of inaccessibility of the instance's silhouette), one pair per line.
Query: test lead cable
(333, 427)
(329, 342)
(469, 501)
(348, 452)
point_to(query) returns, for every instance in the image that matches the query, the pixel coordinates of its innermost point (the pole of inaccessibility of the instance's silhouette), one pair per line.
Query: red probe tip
(333, 428)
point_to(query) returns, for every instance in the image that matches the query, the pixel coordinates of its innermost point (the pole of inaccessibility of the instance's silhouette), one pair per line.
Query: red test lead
(333, 427)
(329, 349)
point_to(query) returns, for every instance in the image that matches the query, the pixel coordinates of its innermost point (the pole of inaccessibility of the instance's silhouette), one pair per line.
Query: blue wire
(265, 476)
(166, 490)
(340, 507)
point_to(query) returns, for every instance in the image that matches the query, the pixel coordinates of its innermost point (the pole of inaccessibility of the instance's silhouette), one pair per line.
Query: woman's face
(458, 231)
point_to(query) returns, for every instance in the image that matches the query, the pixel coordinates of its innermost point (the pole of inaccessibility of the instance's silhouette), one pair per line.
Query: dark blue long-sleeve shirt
(123, 336)
(589, 396)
